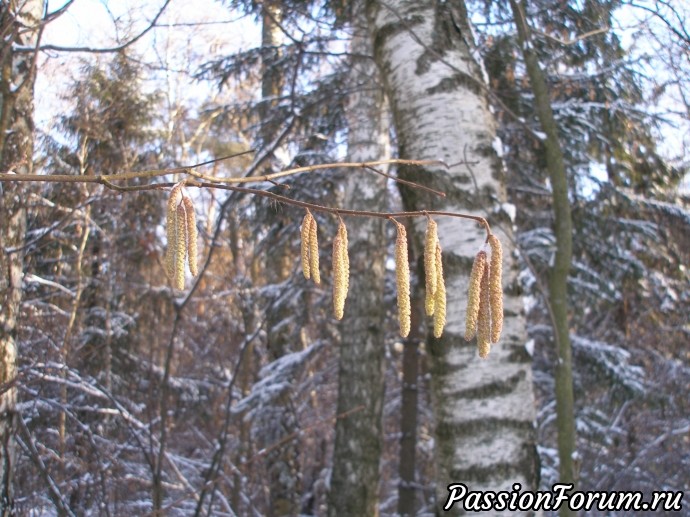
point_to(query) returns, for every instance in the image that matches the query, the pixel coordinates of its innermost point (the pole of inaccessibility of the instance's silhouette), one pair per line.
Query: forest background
(242, 394)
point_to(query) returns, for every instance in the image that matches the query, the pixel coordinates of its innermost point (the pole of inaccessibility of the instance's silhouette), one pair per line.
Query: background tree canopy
(242, 394)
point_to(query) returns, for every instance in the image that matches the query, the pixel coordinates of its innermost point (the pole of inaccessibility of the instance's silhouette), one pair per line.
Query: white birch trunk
(358, 440)
(484, 408)
(18, 26)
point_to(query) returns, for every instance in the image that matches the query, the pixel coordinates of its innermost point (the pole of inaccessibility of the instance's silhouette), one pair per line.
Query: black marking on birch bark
(448, 369)
(457, 265)
(483, 425)
(527, 465)
(455, 82)
(495, 471)
(518, 352)
(493, 389)
(398, 27)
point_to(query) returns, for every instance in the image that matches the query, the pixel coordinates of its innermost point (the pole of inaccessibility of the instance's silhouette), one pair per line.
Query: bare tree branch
(107, 50)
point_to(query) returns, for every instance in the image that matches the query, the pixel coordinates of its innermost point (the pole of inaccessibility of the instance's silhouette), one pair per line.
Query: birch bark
(484, 408)
(358, 439)
(19, 24)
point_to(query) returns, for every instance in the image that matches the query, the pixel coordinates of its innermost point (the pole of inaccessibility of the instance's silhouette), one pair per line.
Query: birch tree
(19, 27)
(358, 437)
(484, 408)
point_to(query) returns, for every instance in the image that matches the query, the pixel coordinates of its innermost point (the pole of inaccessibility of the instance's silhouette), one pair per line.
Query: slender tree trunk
(277, 426)
(407, 490)
(558, 274)
(18, 27)
(272, 77)
(358, 439)
(484, 408)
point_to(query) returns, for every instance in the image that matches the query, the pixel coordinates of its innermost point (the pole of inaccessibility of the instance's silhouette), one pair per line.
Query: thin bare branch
(312, 168)
(53, 490)
(224, 184)
(601, 30)
(410, 184)
(108, 179)
(340, 211)
(108, 50)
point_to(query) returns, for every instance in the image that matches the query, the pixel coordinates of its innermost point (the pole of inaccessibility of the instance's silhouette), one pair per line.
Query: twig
(410, 184)
(341, 211)
(219, 454)
(224, 184)
(263, 452)
(117, 48)
(577, 39)
(108, 179)
(312, 168)
(53, 490)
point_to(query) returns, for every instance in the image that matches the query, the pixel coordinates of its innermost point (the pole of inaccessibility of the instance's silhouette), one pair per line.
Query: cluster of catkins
(485, 298)
(485, 295)
(341, 261)
(436, 291)
(182, 237)
(435, 302)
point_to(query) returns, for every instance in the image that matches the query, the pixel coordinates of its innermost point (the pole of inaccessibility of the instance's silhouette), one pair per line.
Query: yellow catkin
(192, 235)
(484, 316)
(180, 247)
(439, 295)
(314, 252)
(402, 275)
(496, 288)
(171, 229)
(430, 265)
(306, 228)
(473, 292)
(341, 271)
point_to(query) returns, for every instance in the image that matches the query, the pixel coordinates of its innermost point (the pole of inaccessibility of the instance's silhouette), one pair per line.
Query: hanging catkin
(484, 316)
(496, 288)
(341, 271)
(192, 234)
(171, 230)
(402, 275)
(439, 294)
(314, 252)
(430, 274)
(306, 230)
(180, 246)
(473, 293)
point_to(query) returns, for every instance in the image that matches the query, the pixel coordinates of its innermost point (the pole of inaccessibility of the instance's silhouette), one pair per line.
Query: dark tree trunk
(558, 274)
(277, 425)
(407, 491)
